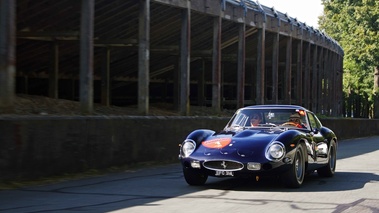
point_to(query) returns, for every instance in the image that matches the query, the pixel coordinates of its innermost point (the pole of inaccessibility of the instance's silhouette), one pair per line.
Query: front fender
(290, 137)
(328, 134)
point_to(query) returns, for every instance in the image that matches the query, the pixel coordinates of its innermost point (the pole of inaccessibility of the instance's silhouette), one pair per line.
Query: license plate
(224, 173)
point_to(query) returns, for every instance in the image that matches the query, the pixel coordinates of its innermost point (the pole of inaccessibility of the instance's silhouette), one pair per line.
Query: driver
(294, 120)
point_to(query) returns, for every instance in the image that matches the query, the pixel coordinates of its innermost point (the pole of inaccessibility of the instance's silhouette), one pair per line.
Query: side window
(240, 119)
(313, 121)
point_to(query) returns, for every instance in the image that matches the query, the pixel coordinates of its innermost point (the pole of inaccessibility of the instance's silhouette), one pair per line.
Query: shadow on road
(342, 181)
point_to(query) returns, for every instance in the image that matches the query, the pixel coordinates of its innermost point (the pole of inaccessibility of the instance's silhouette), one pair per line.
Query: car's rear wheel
(194, 177)
(329, 169)
(295, 176)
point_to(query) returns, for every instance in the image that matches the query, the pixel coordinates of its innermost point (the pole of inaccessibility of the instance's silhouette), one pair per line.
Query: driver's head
(295, 118)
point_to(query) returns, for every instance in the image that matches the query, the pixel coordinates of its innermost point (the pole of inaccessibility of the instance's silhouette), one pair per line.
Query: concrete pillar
(176, 84)
(275, 67)
(7, 55)
(320, 80)
(241, 66)
(185, 47)
(325, 99)
(299, 73)
(260, 97)
(143, 57)
(288, 72)
(314, 98)
(307, 79)
(216, 64)
(86, 56)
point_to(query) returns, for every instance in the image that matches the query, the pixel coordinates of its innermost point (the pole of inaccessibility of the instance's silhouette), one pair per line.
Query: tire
(329, 169)
(193, 177)
(294, 177)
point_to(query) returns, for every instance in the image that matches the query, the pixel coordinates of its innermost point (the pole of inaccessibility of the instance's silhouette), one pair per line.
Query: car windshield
(267, 118)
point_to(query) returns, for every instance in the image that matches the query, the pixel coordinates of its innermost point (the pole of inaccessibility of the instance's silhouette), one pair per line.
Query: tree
(355, 25)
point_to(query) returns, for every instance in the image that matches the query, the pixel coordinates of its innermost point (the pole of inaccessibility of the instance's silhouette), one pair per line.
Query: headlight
(275, 151)
(188, 147)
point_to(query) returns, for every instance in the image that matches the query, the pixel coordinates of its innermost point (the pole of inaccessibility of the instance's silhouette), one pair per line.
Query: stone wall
(38, 146)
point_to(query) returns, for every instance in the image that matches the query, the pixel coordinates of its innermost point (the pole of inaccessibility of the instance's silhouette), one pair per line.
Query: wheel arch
(200, 135)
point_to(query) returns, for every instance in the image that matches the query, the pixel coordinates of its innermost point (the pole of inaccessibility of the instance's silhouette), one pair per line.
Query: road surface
(354, 188)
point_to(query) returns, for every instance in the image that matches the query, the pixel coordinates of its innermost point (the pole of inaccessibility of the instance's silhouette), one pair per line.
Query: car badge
(223, 164)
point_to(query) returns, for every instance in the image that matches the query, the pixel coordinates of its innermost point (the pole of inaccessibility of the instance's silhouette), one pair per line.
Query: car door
(319, 140)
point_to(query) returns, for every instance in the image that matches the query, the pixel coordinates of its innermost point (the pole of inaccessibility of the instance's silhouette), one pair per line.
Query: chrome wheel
(299, 167)
(329, 169)
(295, 176)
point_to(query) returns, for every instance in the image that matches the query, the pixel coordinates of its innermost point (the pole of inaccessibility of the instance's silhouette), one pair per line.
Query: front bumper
(225, 167)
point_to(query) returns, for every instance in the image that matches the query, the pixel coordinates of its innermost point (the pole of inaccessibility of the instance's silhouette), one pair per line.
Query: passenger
(255, 120)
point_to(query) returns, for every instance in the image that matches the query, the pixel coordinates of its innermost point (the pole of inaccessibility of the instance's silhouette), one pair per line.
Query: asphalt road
(354, 188)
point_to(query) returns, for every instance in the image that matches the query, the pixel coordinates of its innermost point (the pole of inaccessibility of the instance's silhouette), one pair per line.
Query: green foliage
(355, 25)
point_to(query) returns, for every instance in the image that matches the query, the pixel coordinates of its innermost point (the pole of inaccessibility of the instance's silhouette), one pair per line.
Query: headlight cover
(188, 147)
(275, 151)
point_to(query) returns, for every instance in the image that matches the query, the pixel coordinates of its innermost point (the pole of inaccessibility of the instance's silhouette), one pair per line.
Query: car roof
(275, 106)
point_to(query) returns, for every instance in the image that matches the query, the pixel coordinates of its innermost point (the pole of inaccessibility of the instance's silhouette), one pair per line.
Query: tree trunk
(376, 92)
(357, 106)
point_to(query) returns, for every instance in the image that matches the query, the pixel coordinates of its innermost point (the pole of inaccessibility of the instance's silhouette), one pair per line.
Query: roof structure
(49, 35)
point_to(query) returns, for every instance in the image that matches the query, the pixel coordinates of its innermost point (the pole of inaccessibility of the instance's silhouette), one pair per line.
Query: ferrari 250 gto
(284, 141)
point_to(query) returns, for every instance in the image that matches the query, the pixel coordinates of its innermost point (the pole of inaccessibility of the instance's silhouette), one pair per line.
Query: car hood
(244, 144)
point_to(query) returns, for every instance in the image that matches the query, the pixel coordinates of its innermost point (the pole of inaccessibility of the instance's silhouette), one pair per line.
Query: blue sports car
(264, 140)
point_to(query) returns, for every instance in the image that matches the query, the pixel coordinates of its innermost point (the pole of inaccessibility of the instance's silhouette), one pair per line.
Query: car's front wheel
(295, 176)
(194, 177)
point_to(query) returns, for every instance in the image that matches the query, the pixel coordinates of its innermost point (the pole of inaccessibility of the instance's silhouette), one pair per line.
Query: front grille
(223, 165)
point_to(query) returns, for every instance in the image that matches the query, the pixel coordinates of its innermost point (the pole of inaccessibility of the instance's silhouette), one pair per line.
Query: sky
(304, 10)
